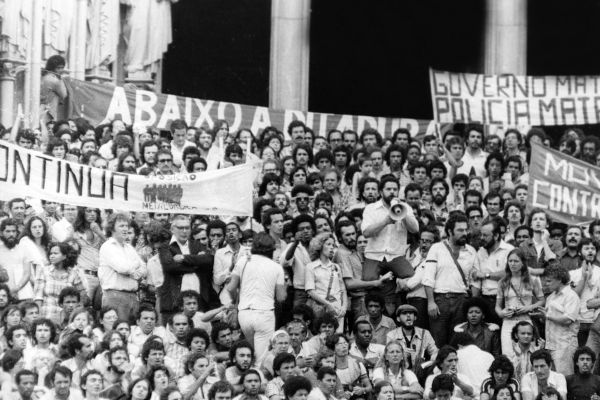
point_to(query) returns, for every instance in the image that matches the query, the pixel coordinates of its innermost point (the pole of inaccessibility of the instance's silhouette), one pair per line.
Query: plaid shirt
(48, 284)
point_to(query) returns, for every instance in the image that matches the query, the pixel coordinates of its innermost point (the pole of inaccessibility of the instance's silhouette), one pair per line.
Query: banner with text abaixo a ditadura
(566, 188)
(25, 173)
(512, 100)
(101, 103)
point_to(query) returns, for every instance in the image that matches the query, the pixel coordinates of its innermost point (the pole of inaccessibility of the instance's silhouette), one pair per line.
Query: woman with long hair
(35, 239)
(519, 294)
(351, 373)
(89, 236)
(392, 368)
(324, 283)
(50, 280)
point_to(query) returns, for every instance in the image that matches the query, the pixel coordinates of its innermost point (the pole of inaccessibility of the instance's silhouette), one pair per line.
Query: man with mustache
(583, 384)
(569, 257)
(351, 265)
(447, 278)
(439, 192)
(490, 267)
(241, 358)
(15, 261)
(387, 240)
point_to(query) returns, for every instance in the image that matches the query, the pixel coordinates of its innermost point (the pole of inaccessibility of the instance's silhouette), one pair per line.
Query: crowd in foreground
(371, 268)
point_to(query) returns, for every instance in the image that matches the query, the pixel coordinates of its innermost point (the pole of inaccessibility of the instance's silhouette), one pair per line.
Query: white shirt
(298, 263)
(474, 363)
(390, 241)
(177, 152)
(477, 162)
(491, 263)
(591, 289)
(441, 273)
(120, 266)
(15, 261)
(529, 384)
(62, 230)
(258, 279)
(223, 266)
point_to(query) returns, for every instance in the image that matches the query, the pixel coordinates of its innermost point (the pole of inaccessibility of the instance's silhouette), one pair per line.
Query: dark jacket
(199, 261)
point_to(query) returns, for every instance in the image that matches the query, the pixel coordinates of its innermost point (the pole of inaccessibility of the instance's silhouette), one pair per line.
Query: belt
(450, 295)
(122, 291)
(90, 272)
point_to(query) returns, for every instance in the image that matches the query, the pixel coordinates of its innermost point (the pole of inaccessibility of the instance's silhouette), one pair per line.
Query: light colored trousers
(258, 327)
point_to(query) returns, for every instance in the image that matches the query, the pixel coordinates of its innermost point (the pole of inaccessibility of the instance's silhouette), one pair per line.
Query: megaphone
(398, 209)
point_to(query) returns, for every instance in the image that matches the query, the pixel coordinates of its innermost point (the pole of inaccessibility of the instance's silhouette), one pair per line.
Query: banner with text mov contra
(101, 103)
(512, 100)
(25, 173)
(566, 188)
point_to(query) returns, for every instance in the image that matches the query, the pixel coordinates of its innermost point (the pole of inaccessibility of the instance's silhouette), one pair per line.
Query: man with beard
(296, 256)
(118, 366)
(368, 192)
(589, 147)
(241, 358)
(569, 257)
(205, 141)
(15, 262)
(363, 348)
(473, 160)
(490, 266)
(446, 278)
(586, 281)
(81, 350)
(416, 293)
(439, 190)
(351, 264)
(583, 384)
(387, 240)
(417, 343)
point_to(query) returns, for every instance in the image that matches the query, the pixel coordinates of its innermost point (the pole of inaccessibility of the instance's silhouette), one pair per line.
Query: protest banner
(566, 188)
(511, 100)
(100, 103)
(26, 173)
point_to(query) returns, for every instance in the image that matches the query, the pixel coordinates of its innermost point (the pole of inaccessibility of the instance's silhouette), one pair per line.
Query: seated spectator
(542, 378)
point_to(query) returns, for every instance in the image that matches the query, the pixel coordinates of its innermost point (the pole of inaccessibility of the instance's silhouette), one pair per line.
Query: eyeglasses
(165, 160)
(181, 227)
(302, 198)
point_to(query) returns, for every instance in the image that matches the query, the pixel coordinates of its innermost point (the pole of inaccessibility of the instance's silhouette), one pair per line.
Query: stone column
(290, 51)
(36, 63)
(506, 37)
(7, 93)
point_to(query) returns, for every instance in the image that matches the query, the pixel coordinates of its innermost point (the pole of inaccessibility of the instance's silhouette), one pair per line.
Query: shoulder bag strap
(462, 274)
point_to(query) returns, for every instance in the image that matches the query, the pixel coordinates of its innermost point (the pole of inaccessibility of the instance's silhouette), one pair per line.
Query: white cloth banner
(511, 100)
(26, 173)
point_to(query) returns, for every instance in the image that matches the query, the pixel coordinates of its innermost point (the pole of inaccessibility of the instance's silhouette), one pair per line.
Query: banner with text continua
(102, 103)
(26, 173)
(566, 188)
(511, 100)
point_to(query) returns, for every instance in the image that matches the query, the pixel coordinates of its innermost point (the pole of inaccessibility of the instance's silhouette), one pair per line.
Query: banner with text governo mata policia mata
(512, 100)
(566, 188)
(25, 173)
(100, 103)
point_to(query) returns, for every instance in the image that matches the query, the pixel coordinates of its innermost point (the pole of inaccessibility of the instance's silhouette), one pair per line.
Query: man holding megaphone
(386, 224)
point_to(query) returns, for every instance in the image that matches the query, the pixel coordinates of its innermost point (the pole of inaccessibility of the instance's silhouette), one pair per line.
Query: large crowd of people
(371, 268)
